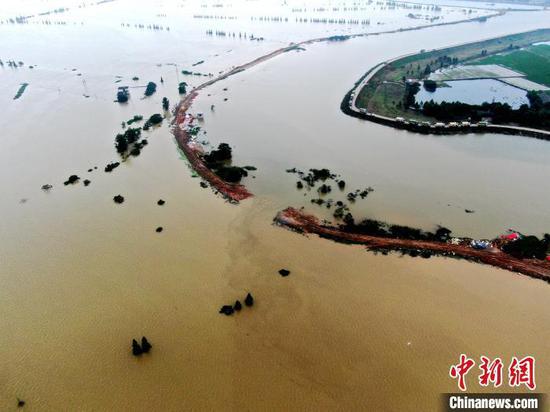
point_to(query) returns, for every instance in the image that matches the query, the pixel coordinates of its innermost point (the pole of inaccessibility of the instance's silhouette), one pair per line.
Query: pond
(475, 92)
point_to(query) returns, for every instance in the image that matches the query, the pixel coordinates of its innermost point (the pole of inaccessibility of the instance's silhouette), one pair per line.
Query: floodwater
(476, 92)
(80, 276)
(290, 105)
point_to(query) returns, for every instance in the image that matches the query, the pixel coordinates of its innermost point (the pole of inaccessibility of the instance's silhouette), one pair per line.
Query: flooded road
(80, 276)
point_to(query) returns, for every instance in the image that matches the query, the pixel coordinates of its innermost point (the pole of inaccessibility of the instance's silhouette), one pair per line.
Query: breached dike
(237, 192)
(231, 191)
(301, 222)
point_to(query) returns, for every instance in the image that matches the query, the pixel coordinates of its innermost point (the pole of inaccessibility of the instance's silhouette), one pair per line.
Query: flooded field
(81, 276)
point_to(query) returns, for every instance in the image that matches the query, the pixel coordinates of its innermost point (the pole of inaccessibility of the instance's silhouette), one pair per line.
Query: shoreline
(301, 222)
(349, 107)
(232, 192)
(238, 192)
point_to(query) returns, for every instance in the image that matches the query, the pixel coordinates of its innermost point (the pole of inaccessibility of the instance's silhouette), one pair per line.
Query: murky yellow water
(332, 335)
(347, 330)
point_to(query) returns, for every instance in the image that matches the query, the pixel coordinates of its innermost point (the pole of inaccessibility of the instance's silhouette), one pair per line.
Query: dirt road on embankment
(299, 221)
(237, 192)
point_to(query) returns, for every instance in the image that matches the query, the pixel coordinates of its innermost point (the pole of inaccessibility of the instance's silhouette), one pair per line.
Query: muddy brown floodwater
(301, 222)
(237, 192)
(80, 276)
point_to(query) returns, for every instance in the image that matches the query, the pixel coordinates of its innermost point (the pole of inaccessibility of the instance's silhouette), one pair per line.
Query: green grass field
(383, 92)
(534, 61)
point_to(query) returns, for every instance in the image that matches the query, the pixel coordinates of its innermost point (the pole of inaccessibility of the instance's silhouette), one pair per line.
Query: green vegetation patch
(150, 89)
(153, 121)
(21, 91)
(384, 95)
(534, 61)
(136, 118)
(386, 92)
(543, 50)
(386, 98)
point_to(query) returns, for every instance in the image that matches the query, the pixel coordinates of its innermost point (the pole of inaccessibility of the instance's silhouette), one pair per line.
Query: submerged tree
(150, 89)
(128, 140)
(122, 95)
(152, 121)
(222, 154)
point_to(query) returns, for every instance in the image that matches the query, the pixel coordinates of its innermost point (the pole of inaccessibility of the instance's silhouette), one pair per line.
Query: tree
(535, 100)
(528, 247)
(122, 95)
(165, 104)
(153, 120)
(121, 144)
(231, 174)
(222, 154)
(410, 92)
(150, 89)
(430, 85)
(125, 140)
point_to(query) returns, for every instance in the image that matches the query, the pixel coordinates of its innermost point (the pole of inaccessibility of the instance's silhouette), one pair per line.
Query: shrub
(430, 85)
(528, 247)
(155, 119)
(150, 89)
(232, 174)
(222, 154)
(122, 96)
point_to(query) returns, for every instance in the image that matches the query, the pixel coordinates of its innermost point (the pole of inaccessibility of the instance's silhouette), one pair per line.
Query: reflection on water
(475, 92)
(80, 276)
